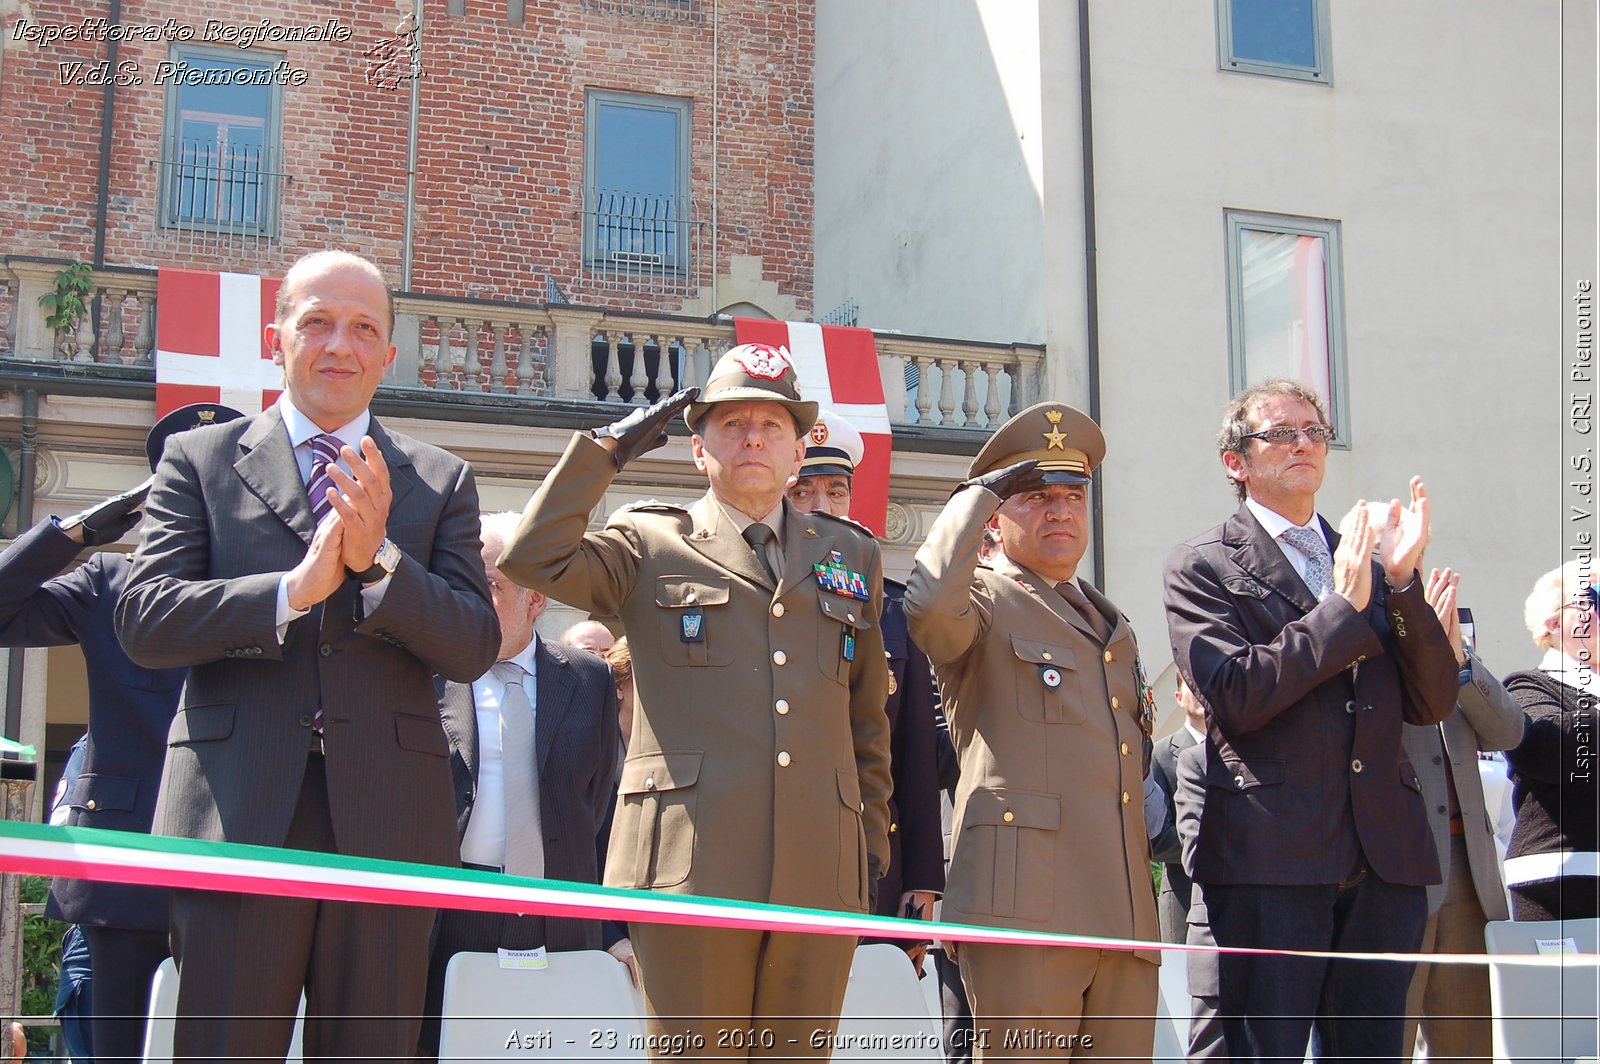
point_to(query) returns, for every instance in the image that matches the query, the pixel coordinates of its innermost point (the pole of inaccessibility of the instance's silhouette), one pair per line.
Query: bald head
(589, 635)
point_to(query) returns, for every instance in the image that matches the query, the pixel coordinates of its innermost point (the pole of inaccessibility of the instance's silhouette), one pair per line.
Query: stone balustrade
(536, 351)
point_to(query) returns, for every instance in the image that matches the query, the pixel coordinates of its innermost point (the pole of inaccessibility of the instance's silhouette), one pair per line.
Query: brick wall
(500, 162)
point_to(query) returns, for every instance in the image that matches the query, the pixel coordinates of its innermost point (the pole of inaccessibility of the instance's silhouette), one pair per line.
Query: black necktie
(1080, 602)
(758, 536)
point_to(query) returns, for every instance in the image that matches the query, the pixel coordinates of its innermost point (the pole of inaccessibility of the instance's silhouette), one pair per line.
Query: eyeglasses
(1287, 434)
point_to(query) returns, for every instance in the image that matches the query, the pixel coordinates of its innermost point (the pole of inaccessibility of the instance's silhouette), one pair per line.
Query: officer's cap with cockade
(834, 447)
(1065, 441)
(754, 373)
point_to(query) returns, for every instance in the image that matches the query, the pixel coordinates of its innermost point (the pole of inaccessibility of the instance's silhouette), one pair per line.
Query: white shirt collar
(302, 428)
(1570, 672)
(525, 656)
(1199, 736)
(1276, 524)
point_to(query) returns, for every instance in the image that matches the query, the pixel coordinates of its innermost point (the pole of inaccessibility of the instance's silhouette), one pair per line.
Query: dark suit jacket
(1304, 706)
(575, 732)
(130, 709)
(916, 831)
(228, 515)
(1172, 906)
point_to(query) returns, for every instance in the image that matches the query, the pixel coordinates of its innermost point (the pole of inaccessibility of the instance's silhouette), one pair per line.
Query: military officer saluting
(758, 767)
(1040, 682)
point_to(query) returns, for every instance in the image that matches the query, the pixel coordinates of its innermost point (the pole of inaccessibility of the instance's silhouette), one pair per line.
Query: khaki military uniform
(758, 768)
(1049, 830)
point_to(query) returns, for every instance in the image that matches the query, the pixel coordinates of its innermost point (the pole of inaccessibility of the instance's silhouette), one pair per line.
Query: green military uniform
(758, 768)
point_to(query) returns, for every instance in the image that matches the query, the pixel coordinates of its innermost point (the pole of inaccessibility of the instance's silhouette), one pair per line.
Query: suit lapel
(1113, 616)
(805, 543)
(401, 474)
(1258, 554)
(459, 715)
(555, 683)
(1046, 593)
(267, 465)
(715, 537)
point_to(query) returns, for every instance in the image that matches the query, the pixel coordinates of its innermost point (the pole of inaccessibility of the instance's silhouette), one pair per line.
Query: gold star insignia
(1057, 439)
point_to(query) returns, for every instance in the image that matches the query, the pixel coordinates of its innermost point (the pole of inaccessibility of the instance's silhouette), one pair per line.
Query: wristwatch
(384, 563)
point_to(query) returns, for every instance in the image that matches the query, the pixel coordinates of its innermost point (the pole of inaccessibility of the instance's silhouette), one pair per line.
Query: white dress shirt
(485, 840)
(1276, 525)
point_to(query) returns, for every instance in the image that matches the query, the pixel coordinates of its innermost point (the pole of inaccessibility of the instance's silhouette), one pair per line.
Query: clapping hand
(1404, 536)
(1441, 594)
(1352, 562)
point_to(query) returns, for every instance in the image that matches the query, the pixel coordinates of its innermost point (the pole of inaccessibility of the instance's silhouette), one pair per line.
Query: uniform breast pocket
(1049, 688)
(840, 623)
(694, 625)
(655, 835)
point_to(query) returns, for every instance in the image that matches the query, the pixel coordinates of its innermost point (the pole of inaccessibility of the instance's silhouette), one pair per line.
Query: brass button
(1108, 657)
(850, 617)
(1125, 798)
(777, 609)
(649, 783)
(779, 657)
(1355, 766)
(783, 758)
(1114, 703)
(1124, 749)
(1009, 817)
(690, 597)
(90, 804)
(1047, 656)
(893, 828)
(782, 706)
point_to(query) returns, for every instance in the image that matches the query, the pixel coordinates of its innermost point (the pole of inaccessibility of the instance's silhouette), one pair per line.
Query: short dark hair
(282, 307)
(1236, 419)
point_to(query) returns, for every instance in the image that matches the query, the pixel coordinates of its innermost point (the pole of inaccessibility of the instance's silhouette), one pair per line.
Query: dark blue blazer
(916, 830)
(130, 709)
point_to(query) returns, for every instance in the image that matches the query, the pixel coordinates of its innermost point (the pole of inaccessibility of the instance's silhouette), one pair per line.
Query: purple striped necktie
(324, 452)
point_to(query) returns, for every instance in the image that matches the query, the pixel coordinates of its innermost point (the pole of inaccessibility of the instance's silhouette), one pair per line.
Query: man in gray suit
(313, 571)
(533, 754)
(1451, 1001)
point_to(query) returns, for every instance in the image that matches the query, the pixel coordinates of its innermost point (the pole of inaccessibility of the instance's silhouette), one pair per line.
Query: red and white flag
(837, 368)
(209, 343)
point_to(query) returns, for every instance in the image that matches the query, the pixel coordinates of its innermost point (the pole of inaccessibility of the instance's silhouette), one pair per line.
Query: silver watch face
(388, 556)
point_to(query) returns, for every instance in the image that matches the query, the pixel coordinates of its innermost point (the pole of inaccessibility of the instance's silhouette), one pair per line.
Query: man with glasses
(1309, 652)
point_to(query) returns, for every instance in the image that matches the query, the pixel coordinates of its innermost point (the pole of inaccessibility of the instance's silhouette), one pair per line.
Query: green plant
(41, 960)
(66, 303)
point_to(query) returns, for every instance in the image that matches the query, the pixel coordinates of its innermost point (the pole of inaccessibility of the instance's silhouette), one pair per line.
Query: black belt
(483, 867)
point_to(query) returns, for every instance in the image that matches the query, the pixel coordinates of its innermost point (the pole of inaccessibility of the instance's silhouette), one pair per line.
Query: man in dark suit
(915, 877)
(1172, 905)
(130, 708)
(540, 821)
(1308, 656)
(314, 572)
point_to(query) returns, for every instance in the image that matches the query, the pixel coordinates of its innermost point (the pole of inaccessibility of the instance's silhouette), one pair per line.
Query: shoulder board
(854, 524)
(650, 506)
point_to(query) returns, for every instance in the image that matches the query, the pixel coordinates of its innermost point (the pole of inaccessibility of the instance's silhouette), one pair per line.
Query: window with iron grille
(219, 164)
(637, 214)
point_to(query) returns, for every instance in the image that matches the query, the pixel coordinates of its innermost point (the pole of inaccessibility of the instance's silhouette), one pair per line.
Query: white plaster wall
(929, 166)
(1439, 149)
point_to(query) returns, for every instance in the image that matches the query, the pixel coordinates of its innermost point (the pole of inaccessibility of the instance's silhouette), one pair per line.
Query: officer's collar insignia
(839, 578)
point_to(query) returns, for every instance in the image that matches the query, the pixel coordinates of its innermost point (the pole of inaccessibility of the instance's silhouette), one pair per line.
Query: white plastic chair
(885, 1004)
(164, 1006)
(582, 1007)
(1543, 1013)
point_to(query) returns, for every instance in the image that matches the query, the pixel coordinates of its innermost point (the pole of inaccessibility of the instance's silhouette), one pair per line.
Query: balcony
(534, 363)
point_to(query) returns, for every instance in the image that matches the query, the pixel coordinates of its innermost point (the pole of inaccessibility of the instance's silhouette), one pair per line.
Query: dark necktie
(324, 452)
(758, 536)
(1080, 602)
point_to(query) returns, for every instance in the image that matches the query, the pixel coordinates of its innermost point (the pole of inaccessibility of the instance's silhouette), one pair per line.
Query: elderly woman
(1552, 866)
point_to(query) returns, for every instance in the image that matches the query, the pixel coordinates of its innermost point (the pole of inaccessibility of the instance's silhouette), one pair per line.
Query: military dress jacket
(758, 767)
(1304, 704)
(1049, 831)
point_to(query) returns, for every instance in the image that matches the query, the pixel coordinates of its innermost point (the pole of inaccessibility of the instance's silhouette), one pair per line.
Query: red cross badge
(761, 360)
(819, 434)
(1051, 676)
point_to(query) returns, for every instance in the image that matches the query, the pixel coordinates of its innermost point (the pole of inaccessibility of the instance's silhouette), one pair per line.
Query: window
(637, 216)
(1286, 306)
(219, 166)
(1280, 38)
